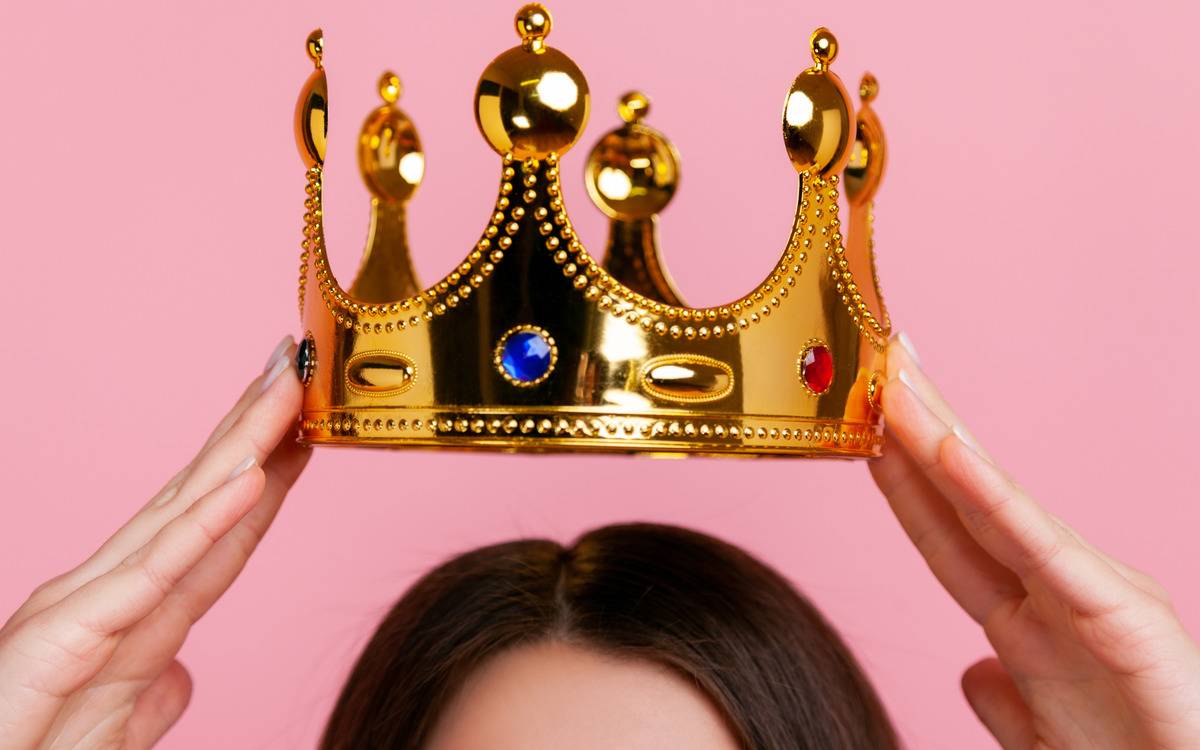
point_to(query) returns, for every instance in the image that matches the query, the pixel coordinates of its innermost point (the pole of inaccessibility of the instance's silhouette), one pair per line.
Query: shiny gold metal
(392, 164)
(532, 100)
(629, 368)
(533, 23)
(817, 120)
(633, 106)
(864, 173)
(632, 174)
(312, 108)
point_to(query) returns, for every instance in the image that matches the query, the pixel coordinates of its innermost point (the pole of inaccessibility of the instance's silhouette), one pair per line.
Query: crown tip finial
(315, 44)
(533, 23)
(824, 46)
(633, 106)
(868, 88)
(389, 87)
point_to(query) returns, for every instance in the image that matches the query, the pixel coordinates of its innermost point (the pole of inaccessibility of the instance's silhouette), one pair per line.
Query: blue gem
(526, 356)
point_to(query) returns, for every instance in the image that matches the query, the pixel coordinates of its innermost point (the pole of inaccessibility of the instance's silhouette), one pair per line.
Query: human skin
(554, 694)
(1089, 652)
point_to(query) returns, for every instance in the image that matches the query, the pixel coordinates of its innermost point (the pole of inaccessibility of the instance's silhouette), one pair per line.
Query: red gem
(816, 367)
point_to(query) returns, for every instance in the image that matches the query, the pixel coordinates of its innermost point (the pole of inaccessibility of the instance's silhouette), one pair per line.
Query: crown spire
(312, 108)
(632, 174)
(532, 100)
(817, 121)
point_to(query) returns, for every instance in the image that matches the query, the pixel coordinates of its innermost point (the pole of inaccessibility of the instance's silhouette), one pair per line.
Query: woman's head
(643, 629)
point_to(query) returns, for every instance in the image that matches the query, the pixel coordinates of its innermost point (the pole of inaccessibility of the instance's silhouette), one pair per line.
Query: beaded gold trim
(452, 290)
(546, 428)
(586, 274)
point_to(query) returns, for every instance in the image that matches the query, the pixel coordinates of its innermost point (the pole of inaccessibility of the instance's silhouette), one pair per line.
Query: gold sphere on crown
(532, 100)
(316, 46)
(818, 126)
(633, 171)
(389, 152)
(633, 106)
(824, 46)
(533, 23)
(312, 108)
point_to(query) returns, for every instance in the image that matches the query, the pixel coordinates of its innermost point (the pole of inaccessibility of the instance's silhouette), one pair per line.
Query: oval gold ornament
(686, 378)
(380, 373)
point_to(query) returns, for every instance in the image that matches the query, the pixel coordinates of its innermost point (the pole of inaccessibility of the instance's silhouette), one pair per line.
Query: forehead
(554, 695)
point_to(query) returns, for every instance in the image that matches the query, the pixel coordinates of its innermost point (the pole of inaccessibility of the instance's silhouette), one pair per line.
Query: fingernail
(906, 378)
(280, 348)
(969, 440)
(282, 362)
(907, 343)
(243, 467)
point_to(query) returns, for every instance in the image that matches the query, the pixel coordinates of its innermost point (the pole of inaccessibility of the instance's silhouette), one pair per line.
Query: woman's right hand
(88, 661)
(1089, 652)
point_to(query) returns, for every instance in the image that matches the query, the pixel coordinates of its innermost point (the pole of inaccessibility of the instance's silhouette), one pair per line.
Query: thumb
(159, 707)
(996, 701)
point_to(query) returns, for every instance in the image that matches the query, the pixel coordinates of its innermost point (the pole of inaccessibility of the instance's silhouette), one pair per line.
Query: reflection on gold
(557, 91)
(412, 167)
(799, 109)
(614, 184)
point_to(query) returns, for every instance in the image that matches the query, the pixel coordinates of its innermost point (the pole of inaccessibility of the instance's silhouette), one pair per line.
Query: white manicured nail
(243, 467)
(282, 362)
(906, 378)
(907, 343)
(969, 440)
(280, 348)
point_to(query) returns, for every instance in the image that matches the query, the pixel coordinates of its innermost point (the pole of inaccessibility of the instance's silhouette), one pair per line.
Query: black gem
(304, 360)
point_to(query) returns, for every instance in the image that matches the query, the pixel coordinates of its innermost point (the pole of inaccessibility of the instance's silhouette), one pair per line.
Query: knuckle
(158, 579)
(1041, 549)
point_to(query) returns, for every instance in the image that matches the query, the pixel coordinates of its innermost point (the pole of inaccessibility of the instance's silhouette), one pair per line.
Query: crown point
(633, 106)
(868, 88)
(316, 46)
(389, 87)
(824, 46)
(533, 23)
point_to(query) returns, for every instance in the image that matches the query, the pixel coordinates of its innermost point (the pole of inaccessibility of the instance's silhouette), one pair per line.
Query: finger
(151, 644)
(249, 395)
(58, 650)
(1007, 523)
(204, 584)
(902, 357)
(1021, 535)
(994, 698)
(159, 707)
(255, 430)
(969, 574)
(1138, 578)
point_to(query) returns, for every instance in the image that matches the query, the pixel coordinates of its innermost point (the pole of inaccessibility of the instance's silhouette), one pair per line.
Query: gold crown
(531, 343)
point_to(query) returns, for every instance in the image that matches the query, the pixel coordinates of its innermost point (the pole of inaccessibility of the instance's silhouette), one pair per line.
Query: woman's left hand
(89, 659)
(1091, 653)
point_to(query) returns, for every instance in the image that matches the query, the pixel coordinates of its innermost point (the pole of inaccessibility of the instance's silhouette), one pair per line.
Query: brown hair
(756, 647)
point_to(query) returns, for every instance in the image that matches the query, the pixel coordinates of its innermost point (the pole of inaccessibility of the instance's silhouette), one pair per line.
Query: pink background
(1036, 240)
